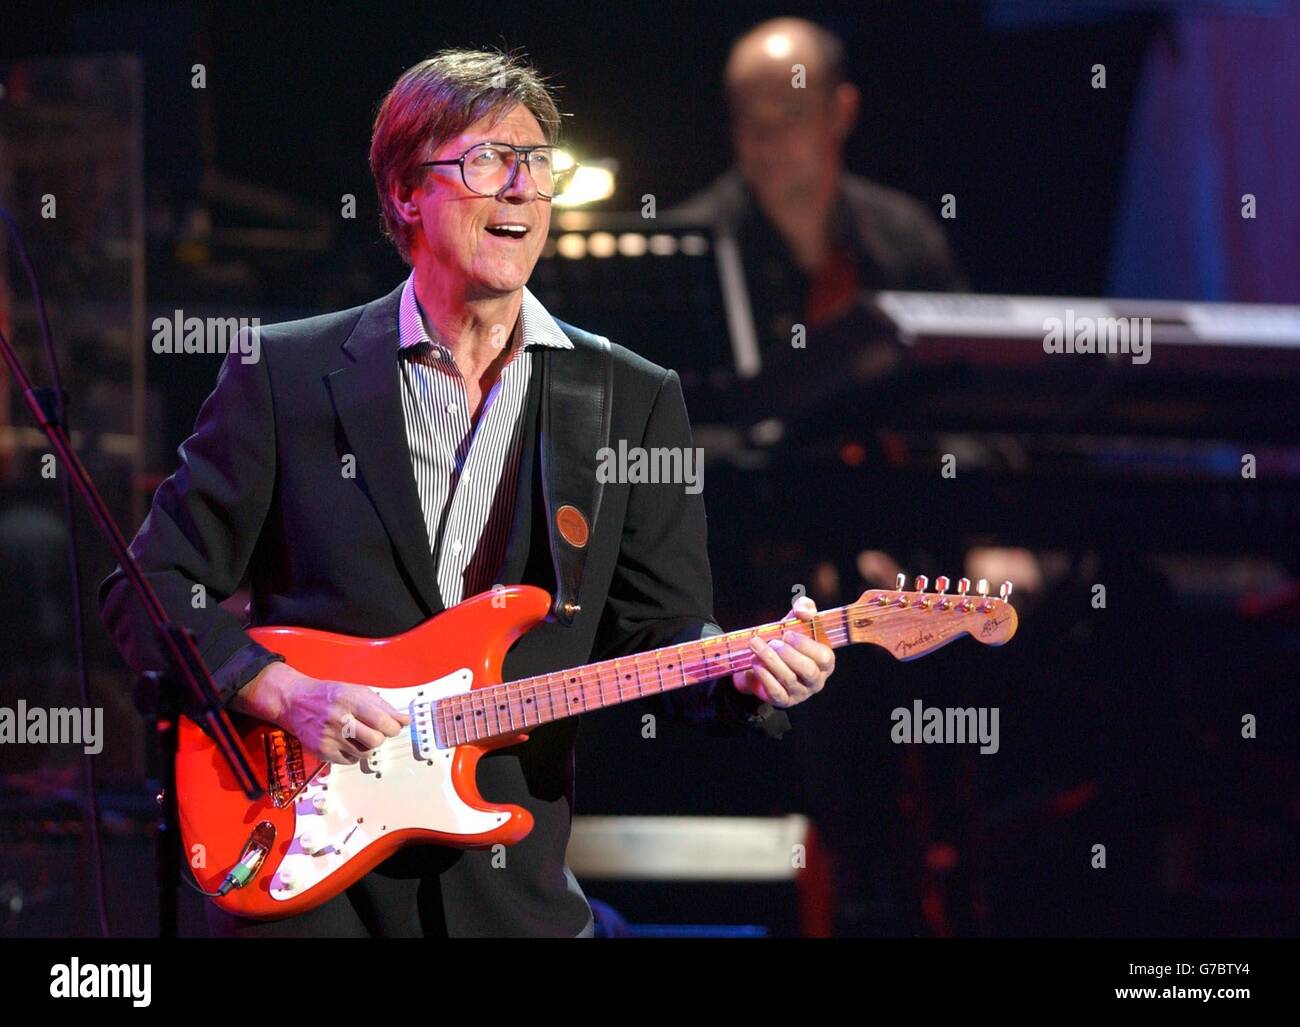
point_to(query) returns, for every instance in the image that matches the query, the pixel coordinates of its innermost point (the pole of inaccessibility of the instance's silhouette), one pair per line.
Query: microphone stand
(159, 690)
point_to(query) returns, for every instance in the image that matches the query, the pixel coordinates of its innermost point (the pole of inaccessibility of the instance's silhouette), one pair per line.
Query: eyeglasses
(489, 169)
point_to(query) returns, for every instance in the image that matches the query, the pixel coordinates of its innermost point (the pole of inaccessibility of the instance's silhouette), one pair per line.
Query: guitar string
(705, 663)
(607, 677)
(642, 662)
(466, 702)
(506, 699)
(707, 666)
(401, 747)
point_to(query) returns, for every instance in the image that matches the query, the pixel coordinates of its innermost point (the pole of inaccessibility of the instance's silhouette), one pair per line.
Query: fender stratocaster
(321, 826)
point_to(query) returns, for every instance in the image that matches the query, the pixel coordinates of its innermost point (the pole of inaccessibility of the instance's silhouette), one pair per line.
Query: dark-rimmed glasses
(488, 169)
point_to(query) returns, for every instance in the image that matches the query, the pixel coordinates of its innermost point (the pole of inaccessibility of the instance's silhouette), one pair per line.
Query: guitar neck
(907, 624)
(530, 702)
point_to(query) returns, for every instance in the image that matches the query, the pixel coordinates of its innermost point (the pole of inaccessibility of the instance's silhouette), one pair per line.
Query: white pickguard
(405, 783)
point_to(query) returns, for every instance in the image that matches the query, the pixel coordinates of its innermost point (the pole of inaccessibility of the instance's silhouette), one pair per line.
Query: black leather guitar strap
(577, 398)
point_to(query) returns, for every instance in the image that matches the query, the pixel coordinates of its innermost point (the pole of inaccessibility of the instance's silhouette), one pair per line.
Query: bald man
(812, 235)
(812, 238)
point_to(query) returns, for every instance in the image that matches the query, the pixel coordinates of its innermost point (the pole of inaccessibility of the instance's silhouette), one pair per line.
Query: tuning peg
(941, 585)
(899, 585)
(921, 584)
(1004, 593)
(963, 586)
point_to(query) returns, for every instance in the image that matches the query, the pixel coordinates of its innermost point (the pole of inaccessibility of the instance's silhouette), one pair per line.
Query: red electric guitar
(321, 826)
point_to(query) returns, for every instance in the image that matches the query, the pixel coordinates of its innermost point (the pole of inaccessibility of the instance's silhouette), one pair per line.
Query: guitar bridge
(285, 770)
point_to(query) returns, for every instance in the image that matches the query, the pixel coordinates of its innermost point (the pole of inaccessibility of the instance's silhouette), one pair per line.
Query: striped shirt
(466, 474)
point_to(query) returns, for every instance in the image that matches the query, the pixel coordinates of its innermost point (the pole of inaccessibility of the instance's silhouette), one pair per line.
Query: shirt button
(456, 547)
(452, 408)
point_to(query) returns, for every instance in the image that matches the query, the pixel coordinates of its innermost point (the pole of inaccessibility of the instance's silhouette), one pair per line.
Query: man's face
(785, 139)
(456, 230)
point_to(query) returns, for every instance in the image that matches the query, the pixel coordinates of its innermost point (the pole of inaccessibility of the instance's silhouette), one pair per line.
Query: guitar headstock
(911, 624)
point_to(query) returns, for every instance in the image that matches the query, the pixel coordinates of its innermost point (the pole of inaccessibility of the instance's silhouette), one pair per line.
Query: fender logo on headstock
(906, 647)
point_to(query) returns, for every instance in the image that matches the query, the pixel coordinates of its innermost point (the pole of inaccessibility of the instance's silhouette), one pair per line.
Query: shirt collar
(539, 327)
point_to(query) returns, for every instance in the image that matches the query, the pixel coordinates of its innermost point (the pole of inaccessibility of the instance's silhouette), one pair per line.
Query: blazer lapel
(368, 403)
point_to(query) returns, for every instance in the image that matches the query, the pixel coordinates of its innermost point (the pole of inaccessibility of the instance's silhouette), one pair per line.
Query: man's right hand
(334, 721)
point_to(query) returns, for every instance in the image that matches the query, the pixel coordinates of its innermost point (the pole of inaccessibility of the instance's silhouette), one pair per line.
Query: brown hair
(436, 100)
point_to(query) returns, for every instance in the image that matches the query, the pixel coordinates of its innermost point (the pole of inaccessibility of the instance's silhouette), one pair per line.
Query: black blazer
(261, 490)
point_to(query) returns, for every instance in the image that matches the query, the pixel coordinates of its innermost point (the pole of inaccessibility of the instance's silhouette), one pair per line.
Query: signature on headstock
(992, 624)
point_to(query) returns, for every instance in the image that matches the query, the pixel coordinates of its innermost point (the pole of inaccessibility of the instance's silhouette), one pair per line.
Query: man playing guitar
(378, 466)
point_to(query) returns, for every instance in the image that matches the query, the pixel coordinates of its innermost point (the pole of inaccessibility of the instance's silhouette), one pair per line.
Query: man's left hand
(789, 669)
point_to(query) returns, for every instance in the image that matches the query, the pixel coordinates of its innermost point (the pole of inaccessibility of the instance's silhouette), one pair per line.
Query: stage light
(632, 244)
(601, 244)
(593, 181)
(662, 244)
(694, 245)
(572, 245)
